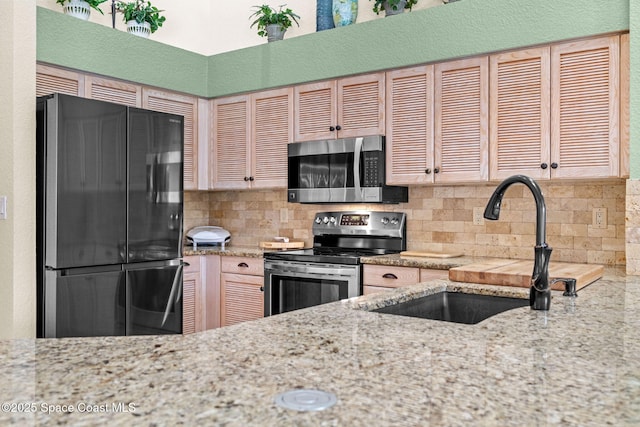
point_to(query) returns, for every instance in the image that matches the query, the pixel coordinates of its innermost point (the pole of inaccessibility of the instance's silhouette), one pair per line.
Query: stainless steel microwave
(349, 170)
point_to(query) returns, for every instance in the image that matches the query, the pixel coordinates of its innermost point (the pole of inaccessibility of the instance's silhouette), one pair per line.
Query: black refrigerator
(109, 219)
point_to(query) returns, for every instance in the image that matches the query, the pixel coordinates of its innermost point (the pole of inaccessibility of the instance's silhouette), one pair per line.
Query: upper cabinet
(115, 91)
(52, 79)
(187, 106)
(585, 108)
(461, 121)
(250, 137)
(409, 124)
(519, 113)
(342, 108)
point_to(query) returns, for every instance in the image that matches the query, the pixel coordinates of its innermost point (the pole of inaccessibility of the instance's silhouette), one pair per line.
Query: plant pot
(139, 29)
(345, 12)
(275, 32)
(78, 9)
(389, 11)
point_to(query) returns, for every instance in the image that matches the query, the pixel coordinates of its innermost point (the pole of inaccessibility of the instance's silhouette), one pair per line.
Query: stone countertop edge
(228, 250)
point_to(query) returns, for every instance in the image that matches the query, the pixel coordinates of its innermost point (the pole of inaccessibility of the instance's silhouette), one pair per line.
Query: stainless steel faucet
(540, 293)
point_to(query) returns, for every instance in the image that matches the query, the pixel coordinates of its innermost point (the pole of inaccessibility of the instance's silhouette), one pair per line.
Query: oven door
(291, 285)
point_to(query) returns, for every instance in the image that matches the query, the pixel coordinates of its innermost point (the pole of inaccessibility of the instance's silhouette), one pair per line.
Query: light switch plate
(3, 207)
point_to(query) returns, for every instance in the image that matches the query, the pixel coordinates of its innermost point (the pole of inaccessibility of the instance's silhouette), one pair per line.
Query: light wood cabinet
(250, 137)
(625, 115)
(193, 314)
(519, 113)
(110, 90)
(241, 289)
(409, 125)
(461, 122)
(585, 108)
(342, 108)
(379, 278)
(53, 79)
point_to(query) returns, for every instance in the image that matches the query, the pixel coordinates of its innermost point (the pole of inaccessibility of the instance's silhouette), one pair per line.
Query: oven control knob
(395, 221)
(318, 220)
(325, 220)
(333, 220)
(385, 220)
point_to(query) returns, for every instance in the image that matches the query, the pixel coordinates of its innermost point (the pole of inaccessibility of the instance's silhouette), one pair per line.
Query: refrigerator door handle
(176, 287)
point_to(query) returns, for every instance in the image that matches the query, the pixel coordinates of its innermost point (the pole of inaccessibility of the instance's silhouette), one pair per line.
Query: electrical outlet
(599, 218)
(3, 207)
(478, 216)
(284, 215)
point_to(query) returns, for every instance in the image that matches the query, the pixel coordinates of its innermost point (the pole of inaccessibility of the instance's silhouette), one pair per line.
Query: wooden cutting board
(510, 272)
(428, 254)
(281, 245)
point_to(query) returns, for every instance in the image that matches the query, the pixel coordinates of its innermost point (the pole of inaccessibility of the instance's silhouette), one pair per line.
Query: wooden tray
(281, 245)
(428, 254)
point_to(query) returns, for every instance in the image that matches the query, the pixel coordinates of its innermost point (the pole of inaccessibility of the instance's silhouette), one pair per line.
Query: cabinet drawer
(427, 274)
(390, 277)
(242, 265)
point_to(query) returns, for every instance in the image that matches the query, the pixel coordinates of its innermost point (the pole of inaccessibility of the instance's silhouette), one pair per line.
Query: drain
(306, 400)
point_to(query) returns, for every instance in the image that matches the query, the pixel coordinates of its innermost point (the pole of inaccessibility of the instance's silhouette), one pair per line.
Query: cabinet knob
(246, 178)
(243, 264)
(544, 166)
(331, 128)
(436, 170)
(427, 171)
(261, 288)
(389, 276)
(554, 165)
(338, 127)
(251, 178)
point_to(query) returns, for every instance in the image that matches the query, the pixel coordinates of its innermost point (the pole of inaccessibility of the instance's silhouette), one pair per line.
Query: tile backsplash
(440, 218)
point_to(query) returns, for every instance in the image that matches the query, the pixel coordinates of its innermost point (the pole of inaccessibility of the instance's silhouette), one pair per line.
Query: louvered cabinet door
(519, 114)
(191, 303)
(231, 143)
(272, 127)
(409, 125)
(315, 111)
(461, 120)
(360, 106)
(585, 108)
(56, 80)
(113, 91)
(183, 105)
(241, 298)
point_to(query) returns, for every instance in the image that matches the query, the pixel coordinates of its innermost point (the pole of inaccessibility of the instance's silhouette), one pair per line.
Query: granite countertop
(577, 364)
(420, 262)
(228, 250)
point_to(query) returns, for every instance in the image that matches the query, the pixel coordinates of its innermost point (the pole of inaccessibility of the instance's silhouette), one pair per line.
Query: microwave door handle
(357, 152)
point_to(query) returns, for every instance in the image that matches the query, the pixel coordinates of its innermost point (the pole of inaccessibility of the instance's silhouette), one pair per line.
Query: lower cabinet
(201, 293)
(379, 278)
(241, 289)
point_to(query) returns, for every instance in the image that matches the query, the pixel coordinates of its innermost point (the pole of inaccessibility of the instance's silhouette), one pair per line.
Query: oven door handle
(307, 269)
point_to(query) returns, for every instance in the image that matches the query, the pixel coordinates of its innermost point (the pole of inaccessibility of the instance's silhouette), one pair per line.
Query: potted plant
(80, 8)
(273, 23)
(141, 17)
(392, 7)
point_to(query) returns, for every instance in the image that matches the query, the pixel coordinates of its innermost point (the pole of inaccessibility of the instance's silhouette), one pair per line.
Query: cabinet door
(461, 120)
(51, 80)
(191, 303)
(519, 112)
(272, 127)
(409, 104)
(360, 106)
(585, 108)
(187, 106)
(231, 143)
(113, 91)
(242, 298)
(315, 111)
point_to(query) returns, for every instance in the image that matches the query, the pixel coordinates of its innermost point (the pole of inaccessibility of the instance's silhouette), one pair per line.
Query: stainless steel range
(331, 269)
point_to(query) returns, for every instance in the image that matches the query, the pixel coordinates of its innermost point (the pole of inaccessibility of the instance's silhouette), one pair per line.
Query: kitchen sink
(455, 307)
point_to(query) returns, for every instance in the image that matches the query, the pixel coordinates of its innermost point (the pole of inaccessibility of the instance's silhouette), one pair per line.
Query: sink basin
(455, 307)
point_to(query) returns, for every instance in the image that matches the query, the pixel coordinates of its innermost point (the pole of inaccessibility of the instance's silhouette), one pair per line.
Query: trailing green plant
(95, 4)
(141, 11)
(378, 5)
(266, 15)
